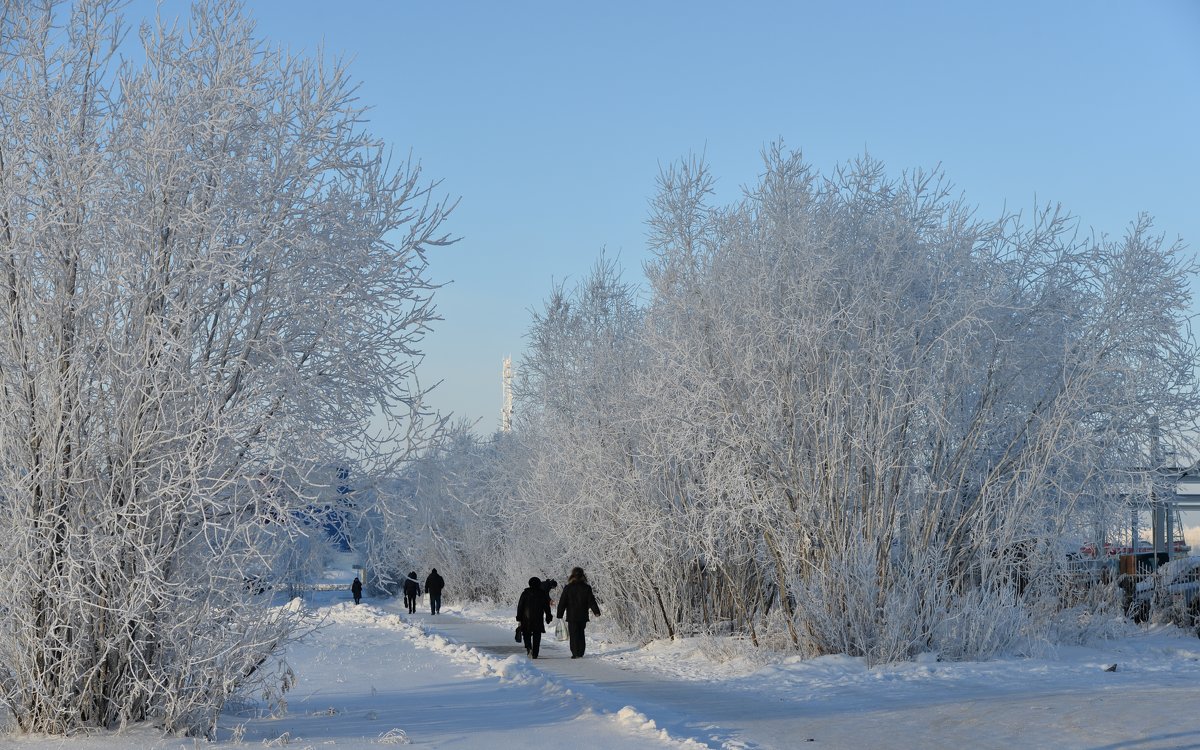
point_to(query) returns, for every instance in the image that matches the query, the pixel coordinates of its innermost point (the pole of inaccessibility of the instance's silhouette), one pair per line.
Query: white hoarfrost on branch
(848, 416)
(212, 291)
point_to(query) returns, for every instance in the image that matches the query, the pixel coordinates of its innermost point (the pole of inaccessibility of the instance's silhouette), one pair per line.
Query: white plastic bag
(560, 630)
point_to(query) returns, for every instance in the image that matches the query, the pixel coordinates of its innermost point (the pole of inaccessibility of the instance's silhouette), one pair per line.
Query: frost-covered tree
(852, 416)
(895, 411)
(578, 421)
(211, 279)
(451, 509)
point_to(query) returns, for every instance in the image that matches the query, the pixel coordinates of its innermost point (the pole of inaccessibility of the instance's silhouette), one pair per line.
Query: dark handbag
(518, 638)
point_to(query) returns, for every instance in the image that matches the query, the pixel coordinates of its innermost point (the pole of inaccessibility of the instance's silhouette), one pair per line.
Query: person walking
(412, 589)
(434, 584)
(576, 601)
(533, 605)
(356, 589)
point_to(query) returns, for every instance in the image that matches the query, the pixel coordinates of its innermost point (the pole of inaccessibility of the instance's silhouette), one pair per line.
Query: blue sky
(551, 119)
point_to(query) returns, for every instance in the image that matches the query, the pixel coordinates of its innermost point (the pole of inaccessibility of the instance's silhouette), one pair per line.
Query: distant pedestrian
(433, 586)
(356, 589)
(412, 589)
(533, 605)
(576, 601)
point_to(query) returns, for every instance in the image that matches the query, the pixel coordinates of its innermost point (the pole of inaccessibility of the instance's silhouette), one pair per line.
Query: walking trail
(1023, 703)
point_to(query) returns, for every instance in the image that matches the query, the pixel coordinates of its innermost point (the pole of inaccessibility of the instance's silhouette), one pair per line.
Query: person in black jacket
(576, 601)
(356, 589)
(533, 605)
(412, 589)
(433, 586)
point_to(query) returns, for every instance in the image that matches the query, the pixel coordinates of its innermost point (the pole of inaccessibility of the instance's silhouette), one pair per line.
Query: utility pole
(1159, 525)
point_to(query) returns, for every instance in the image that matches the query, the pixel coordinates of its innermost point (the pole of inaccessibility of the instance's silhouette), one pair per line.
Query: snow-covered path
(1152, 702)
(708, 714)
(376, 676)
(369, 678)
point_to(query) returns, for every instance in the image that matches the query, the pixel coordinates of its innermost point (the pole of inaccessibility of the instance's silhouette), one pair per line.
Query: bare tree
(210, 279)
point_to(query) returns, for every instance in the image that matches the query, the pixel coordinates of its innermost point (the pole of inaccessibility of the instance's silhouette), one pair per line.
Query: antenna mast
(506, 410)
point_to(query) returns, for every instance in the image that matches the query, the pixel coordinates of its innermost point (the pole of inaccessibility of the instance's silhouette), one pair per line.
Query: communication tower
(506, 384)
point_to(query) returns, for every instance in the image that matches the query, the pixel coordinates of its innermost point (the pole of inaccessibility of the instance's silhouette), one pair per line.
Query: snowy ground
(376, 676)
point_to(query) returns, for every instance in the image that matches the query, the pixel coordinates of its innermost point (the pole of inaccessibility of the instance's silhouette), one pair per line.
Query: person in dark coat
(533, 605)
(576, 601)
(434, 584)
(356, 589)
(412, 589)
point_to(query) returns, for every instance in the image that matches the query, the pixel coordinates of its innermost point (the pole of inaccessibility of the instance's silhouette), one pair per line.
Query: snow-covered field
(375, 676)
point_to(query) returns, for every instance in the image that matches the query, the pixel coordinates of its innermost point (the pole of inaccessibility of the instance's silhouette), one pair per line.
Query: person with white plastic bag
(576, 601)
